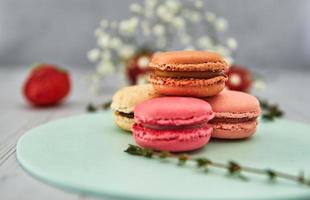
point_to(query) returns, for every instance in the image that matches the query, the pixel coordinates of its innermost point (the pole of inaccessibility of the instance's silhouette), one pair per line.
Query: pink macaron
(236, 114)
(172, 123)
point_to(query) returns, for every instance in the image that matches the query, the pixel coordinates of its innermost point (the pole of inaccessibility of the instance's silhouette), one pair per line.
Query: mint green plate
(85, 154)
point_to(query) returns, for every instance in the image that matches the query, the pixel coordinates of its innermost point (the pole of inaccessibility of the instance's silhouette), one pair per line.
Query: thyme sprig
(270, 111)
(233, 168)
(94, 108)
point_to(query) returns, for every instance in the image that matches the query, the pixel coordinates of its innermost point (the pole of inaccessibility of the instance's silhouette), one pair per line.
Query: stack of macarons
(185, 104)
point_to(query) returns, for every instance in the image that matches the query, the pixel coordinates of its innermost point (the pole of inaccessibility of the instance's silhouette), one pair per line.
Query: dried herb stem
(231, 167)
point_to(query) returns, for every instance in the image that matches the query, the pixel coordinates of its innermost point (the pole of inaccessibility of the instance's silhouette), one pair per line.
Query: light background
(271, 33)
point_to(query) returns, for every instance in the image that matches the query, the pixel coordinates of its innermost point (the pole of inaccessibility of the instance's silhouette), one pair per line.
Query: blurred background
(270, 33)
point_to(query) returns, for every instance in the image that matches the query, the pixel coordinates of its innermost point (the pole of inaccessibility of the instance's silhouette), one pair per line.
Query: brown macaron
(188, 73)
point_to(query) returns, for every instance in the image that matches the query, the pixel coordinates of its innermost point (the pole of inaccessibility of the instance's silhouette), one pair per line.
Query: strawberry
(239, 78)
(46, 85)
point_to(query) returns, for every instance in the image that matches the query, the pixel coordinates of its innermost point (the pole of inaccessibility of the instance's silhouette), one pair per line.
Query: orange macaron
(188, 73)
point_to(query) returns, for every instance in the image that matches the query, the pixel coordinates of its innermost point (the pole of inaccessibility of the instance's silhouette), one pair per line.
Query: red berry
(137, 66)
(239, 78)
(46, 85)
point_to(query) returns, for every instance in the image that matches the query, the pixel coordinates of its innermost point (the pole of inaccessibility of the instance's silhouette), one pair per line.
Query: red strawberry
(46, 85)
(239, 78)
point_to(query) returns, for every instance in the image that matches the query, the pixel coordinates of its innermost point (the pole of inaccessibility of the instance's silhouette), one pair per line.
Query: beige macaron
(125, 100)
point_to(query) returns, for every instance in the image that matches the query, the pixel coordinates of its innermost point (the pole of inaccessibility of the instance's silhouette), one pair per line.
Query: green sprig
(234, 169)
(270, 111)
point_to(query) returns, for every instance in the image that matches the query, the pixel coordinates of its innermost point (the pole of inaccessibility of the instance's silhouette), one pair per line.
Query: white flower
(178, 22)
(104, 41)
(105, 67)
(159, 30)
(93, 55)
(128, 27)
(189, 48)
(145, 28)
(185, 39)
(229, 60)
(259, 85)
(99, 32)
(104, 23)
(164, 13)
(198, 4)
(135, 8)
(195, 17)
(173, 6)
(210, 17)
(143, 61)
(150, 4)
(126, 51)
(115, 42)
(106, 55)
(222, 50)
(114, 24)
(221, 24)
(94, 89)
(204, 42)
(232, 43)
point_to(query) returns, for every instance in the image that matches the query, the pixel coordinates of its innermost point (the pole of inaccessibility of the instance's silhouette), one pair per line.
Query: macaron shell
(172, 140)
(234, 130)
(124, 123)
(173, 111)
(188, 61)
(194, 91)
(229, 104)
(126, 98)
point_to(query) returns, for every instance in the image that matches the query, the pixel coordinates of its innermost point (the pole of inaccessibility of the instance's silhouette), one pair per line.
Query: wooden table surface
(288, 88)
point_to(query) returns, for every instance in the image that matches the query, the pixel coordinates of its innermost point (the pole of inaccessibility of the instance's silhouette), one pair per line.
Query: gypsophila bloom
(229, 60)
(128, 27)
(195, 17)
(145, 28)
(259, 85)
(114, 24)
(104, 41)
(221, 24)
(178, 22)
(185, 38)
(210, 17)
(204, 43)
(198, 4)
(232, 43)
(115, 43)
(222, 50)
(126, 51)
(172, 6)
(104, 23)
(93, 55)
(158, 25)
(135, 8)
(159, 30)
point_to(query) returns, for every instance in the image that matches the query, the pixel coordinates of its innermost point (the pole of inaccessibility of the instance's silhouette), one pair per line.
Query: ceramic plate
(86, 154)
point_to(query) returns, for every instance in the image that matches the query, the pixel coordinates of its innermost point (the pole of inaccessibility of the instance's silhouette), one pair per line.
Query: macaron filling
(123, 114)
(189, 74)
(171, 127)
(145, 133)
(232, 120)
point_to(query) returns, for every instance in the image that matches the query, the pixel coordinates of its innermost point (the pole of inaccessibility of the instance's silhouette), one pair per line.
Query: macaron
(188, 73)
(172, 123)
(236, 114)
(125, 100)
